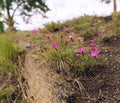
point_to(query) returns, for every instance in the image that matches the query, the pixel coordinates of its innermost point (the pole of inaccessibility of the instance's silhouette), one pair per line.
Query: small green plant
(105, 38)
(7, 92)
(7, 51)
(58, 50)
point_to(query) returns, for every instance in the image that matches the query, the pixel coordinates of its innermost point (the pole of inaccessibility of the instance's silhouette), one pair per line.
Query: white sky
(67, 9)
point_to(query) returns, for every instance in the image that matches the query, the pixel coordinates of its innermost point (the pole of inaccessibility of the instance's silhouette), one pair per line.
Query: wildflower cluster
(63, 48)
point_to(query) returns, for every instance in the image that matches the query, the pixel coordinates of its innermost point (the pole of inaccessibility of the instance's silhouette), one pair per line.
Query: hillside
(77, 61)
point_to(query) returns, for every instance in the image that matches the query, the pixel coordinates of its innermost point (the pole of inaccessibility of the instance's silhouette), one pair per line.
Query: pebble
(24, 44)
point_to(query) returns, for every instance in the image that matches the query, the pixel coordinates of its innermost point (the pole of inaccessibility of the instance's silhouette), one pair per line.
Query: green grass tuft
(7, 92)
(7, 53)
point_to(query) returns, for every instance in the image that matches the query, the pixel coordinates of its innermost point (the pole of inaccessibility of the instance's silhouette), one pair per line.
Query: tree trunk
(115, 5)
(10, 20)
(10, 24)
(1, 27)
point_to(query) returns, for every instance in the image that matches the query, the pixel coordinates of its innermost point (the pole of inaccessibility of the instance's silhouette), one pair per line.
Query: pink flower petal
(49, 37)
(92, 44)
(70, 36)
(100, 33)
(54, 46)
(34, 31)
(95, 52)
(77, 55)
(82, 50)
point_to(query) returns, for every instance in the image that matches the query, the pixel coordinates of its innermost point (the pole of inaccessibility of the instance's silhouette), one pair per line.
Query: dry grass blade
(82, 89)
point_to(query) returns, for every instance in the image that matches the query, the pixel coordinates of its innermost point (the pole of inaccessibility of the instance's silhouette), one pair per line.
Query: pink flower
(48, 37)
(82, 50)
(92, 44)
(95, 52)
(34, 31)
(70, 36)
(100, 33)
(77, 55)
(64, 27)
(54, 46)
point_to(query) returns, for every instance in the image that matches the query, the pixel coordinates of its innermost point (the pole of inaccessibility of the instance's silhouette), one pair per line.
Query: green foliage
(61, 54)
(116, 22)
(7, 92)
(36, 4)
(7, 49)
(105, 38)
(86, 26)
(7, 53)
(26, 8)
(106, 1)
(53, 27)
(8, 63)
(112, 28)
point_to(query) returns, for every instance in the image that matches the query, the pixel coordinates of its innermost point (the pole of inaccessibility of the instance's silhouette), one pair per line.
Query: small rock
(27, 45)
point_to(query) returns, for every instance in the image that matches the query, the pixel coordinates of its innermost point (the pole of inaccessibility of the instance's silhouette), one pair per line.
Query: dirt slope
(103, 85)
(47, 86)
(41, 80)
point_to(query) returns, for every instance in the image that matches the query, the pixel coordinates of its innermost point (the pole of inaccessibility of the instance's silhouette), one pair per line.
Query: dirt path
(41, 80)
